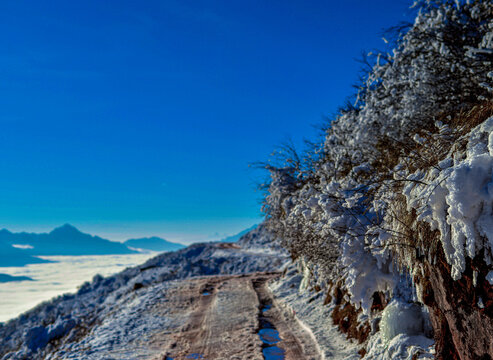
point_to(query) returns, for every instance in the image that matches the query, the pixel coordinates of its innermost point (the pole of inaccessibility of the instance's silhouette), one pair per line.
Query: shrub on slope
(411, 146)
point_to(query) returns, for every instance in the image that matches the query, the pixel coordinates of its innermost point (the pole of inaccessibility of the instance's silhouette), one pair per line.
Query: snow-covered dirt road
(209, 301)
(234, 317)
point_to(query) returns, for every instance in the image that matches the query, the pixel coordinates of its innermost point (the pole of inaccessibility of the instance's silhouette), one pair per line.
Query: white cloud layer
(57, 278)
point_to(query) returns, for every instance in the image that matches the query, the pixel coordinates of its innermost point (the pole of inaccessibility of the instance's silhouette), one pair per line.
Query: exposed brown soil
(345, 315)
(223, 321)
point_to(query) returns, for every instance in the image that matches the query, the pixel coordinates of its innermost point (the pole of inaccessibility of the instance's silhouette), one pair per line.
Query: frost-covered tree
(352, 216)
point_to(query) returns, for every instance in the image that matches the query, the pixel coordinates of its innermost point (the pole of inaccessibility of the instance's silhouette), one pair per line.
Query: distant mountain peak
(236, 237)
(66, 229)
(153, 243)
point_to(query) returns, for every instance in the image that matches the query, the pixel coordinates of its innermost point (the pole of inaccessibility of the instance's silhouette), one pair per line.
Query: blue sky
(136, 118)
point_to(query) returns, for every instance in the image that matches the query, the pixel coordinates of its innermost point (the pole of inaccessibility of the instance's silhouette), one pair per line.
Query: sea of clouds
(53, 279)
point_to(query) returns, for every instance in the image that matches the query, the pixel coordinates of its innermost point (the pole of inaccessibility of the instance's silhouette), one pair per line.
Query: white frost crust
(409, 342)
(402, 318)
(457, 199)
(489, 277)
(401, 347)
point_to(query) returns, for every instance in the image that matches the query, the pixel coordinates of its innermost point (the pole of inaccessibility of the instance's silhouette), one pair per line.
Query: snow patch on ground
(401, 318)
(314, 315)
(402, 334)
(401, 347)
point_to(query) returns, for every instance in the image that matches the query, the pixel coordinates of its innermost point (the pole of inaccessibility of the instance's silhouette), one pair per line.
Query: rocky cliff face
(461, 310)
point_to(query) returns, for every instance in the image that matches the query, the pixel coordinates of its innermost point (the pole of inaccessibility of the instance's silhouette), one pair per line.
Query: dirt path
(223, 321)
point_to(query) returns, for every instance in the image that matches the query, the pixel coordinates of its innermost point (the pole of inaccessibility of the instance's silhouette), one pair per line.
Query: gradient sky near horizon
(137, 118)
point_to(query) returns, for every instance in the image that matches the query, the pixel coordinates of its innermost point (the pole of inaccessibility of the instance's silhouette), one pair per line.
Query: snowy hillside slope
(71, 323)
(262, 240)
